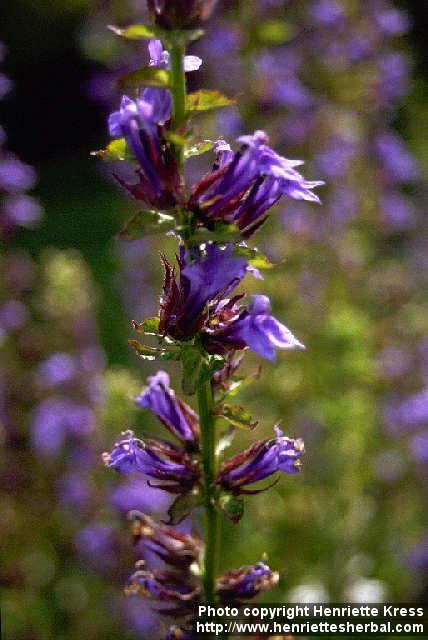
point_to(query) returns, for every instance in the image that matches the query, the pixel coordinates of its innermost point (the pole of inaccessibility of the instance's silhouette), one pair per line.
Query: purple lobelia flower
(208, 278)
(244, 583)
(262, 459)
(138, 122)
(174, 548)
(180, 14)
(245, 184)
(174, 414)
(175, 588)
(171, 466)
(237, 327)
(141, 123)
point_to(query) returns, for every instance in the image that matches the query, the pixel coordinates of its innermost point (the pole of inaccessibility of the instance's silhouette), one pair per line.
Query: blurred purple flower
(54, 419)
(73, 490)
(398, 212)
(13, 315)
(419, 447)
(136, 493)
(395, 158)
(58, 369)
(22, 210)
(15, 175)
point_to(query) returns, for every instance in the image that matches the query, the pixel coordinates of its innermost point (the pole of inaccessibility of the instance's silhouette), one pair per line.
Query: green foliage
(147, 222)
(116, 150)
(137, 32)
(197, 148)
(154, 353)
(183, 505)
(205, 100)
(147, 77)
(232, 507)
(149, 326)
(255, 257)
(236, 416)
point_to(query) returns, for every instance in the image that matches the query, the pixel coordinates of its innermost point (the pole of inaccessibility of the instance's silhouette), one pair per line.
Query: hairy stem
(205, 401)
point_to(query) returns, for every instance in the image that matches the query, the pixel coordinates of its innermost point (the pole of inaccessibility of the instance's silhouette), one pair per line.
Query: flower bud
(246, 582)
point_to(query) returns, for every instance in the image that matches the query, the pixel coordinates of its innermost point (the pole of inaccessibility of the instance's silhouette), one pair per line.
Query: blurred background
(341, 84)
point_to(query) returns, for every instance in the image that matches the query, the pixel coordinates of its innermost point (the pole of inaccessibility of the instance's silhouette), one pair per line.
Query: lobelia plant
(203, 323)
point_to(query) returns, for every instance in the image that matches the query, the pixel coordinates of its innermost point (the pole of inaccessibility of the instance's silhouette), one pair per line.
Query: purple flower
(15, 175)
(74, 490)
(174, 548)
(95, 542)
(210, 277)
(13, 315)
(391, 21)
(245, 583)
(54, 419)
(399, 165)
(22, 210)
(245, 184)
(161, 461)
(137, 121)
(398, 212)
(239, 327)
(137, 493)
(175, 588)
(327, 12)
(419, 447)
(58, 369)
(262, 459)
(177, 416)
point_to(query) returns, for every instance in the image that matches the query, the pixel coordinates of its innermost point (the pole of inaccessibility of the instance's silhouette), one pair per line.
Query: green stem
(178, 90)
(206, 417)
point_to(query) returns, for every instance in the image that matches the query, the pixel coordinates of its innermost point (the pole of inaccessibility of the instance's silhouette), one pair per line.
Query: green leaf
(153, 353)
(232, 507)
(147, 222)
(236, 416)
(116, 150)
(147, 76)
(205, 100)
(137, 32)
(183, 505)
(255, 257)
(149, 326)
(198, 148)
(240, 384)
(221, 233)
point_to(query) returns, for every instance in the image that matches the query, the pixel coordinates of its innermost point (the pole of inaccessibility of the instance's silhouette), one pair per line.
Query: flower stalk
(202, 322)
(207, 426)
(178, 91)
